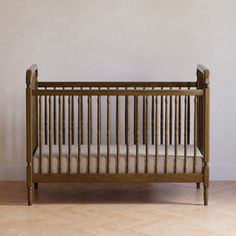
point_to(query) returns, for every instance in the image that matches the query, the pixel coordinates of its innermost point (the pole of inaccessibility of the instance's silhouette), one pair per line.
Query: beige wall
(117, 40)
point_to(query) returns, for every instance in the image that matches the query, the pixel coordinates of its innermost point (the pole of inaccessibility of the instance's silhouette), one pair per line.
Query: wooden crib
(117, 131)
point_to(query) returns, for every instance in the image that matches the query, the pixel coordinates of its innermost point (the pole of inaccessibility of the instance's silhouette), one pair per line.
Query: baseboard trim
(12, 173)
(223, 172)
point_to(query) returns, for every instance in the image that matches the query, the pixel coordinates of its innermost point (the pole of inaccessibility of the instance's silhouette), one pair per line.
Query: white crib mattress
(122, 159)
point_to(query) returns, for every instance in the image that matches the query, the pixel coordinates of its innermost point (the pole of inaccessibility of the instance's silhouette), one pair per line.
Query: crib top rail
(119, 92)
(109, 84)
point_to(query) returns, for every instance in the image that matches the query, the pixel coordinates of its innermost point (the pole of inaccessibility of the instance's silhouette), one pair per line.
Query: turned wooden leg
(206, 183)
(36, 186)
(206, 195)
(198, 185)
(30, 195)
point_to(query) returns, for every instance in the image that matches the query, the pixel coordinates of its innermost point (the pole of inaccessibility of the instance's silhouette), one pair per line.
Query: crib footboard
(117, 131)
(31, 125)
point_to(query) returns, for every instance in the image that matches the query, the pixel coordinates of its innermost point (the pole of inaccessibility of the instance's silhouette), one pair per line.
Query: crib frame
(200, 89)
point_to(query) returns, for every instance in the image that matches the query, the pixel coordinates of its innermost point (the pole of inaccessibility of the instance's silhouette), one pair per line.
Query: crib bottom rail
(117, 178)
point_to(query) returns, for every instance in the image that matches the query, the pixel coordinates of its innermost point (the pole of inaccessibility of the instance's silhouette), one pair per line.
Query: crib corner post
(206, 133)
(29, 138)
(31, 82)
(203, 83)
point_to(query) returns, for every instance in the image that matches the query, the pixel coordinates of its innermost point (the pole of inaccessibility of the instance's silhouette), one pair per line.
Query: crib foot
(205, 193)
(198, 185)
(36, 186)
(30, 195)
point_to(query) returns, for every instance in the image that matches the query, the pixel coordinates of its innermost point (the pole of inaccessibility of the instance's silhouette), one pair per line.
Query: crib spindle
(170, 120)
(153, 118)
(162, 120)
(126, 110)
(135, 117)
(89, 133)
(166, 133)
(40, 134)
(69, 133)
(144, 119)
(195, 133)
(117, 135)
(180, 124)
(82, 119)
(72, 120)
(147, 134)
(176, 134)
(185, 132)
(156, 134)
(50, 134)
(91, 119)
(189, 111)
(63, 120)
(46, 119)
(79, 131)
(127, 135)
(98, 131)
(108, 133)
(60, 134)
(55, 119)
(137, 134)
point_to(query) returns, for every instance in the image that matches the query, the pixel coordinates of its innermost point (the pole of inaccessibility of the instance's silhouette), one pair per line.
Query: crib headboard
(32, 106)
(203, 111)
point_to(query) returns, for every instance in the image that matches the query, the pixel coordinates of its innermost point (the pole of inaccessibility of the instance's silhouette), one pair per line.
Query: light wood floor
(118, 209)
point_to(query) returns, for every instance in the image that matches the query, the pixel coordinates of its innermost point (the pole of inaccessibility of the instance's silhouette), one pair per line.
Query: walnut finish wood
(98, 131)
(60, 133)
(166, 134)
(108, 134)
(52, 125)
(176, 133)
(79, 131)
(156, 135)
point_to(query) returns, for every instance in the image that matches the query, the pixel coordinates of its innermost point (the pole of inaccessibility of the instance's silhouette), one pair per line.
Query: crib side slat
(72, 120)
(189, 114)
(144, 119)
(91, 119)
(195, 132)
(117, 135)
(55, 119)
(89, 133)
(185, 132)
(170, 120)
(46, 119)
(40, 134)
(166, 134)
(127, 136)
(153, 118)
(176, 134)
(147, 135)
(69, 134)
(180, 124)
(98, 131)
(137, 134)
(63, 120)
(79, 132)
(60, 134)
(156, 136)
(82, 119)
(162, 121)
(50, 134)
(126, 110)
(108, 134)
(135, 117)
